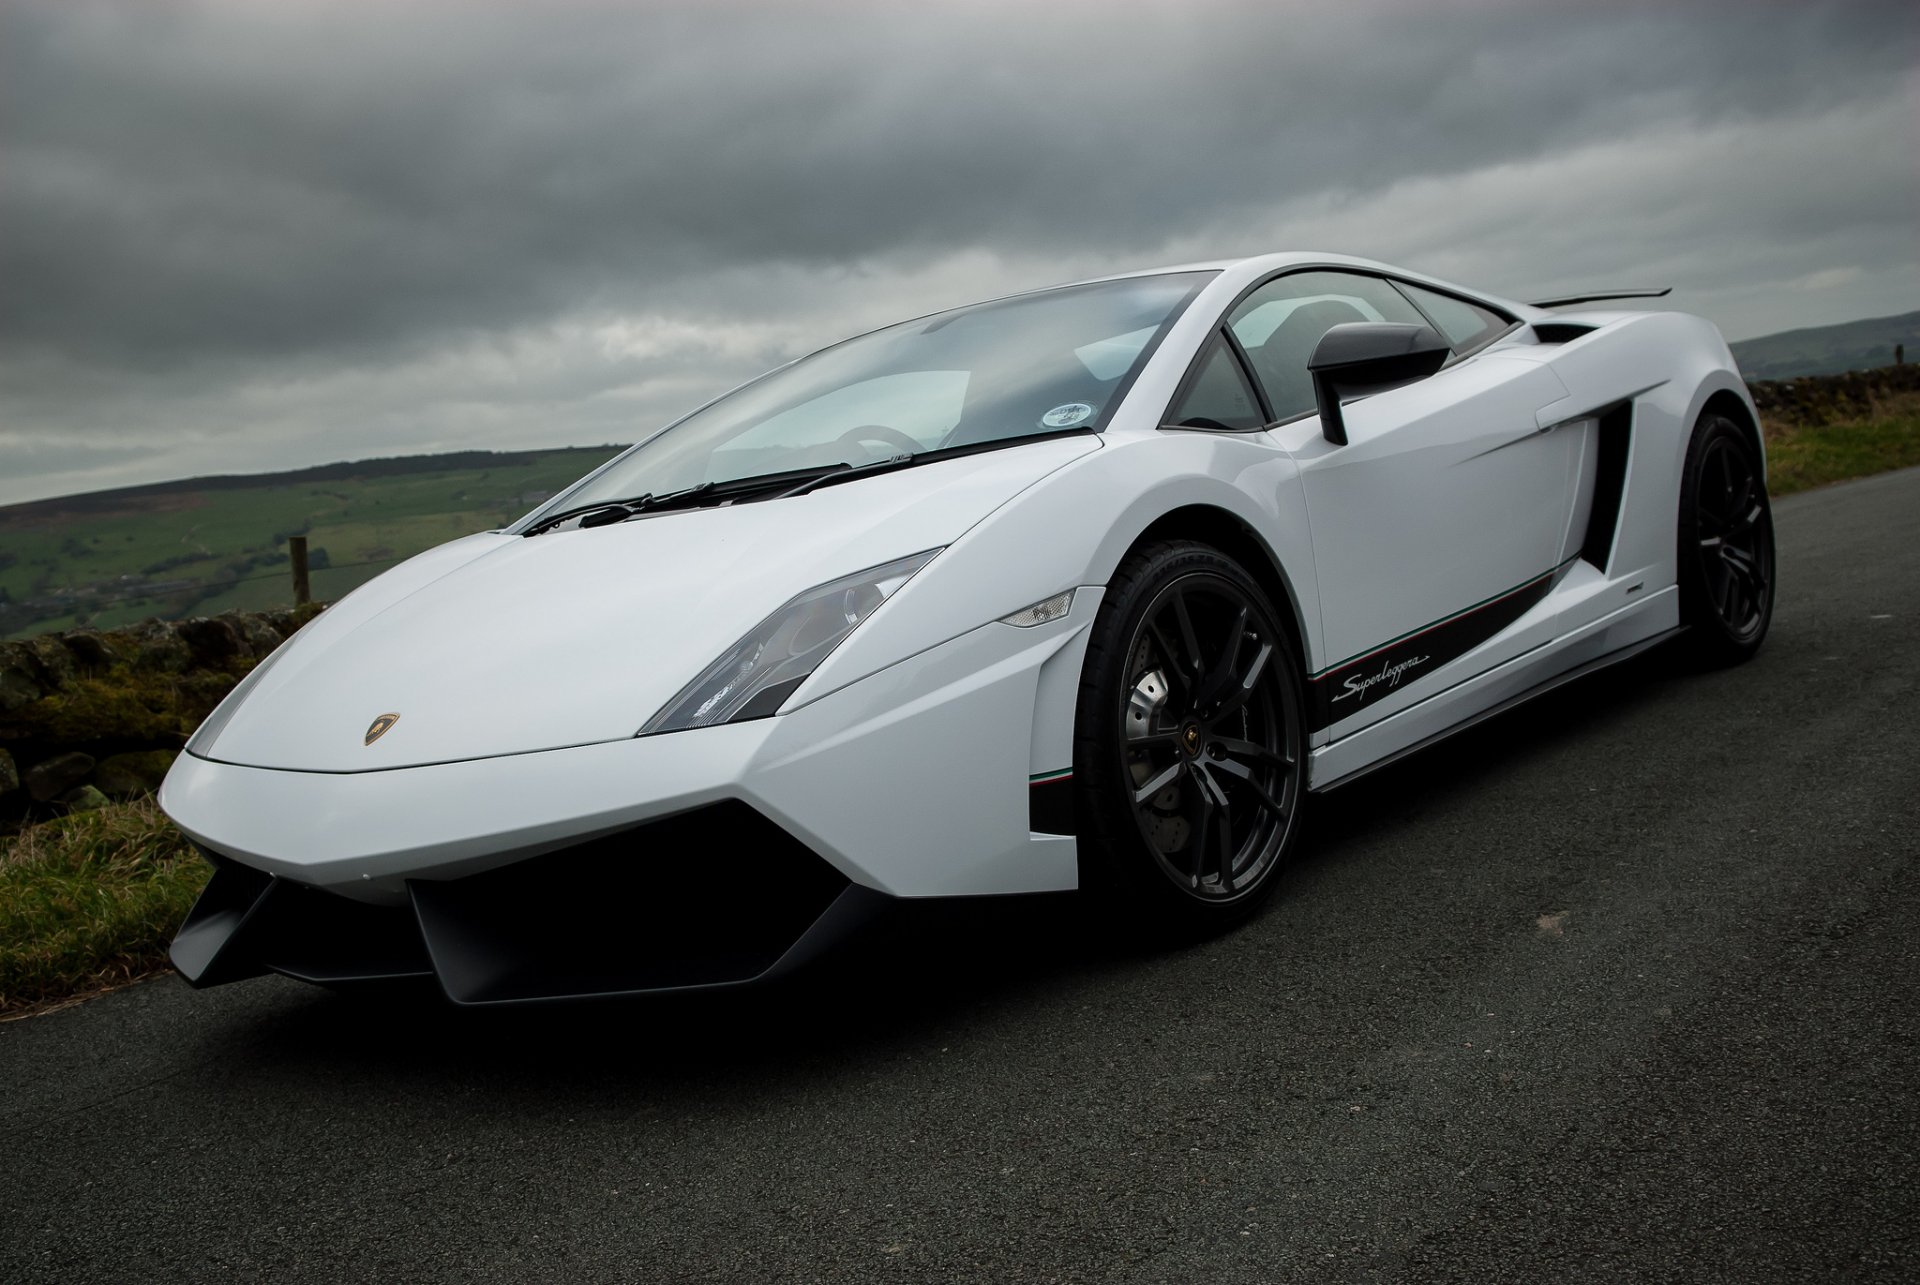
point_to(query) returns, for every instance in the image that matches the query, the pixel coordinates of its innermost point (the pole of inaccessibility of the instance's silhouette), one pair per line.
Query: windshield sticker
(1067, 416)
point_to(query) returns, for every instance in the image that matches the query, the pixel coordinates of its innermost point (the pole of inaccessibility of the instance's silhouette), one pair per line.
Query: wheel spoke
(1161, 782)
(1743, 499)
(1239, 695)
(1147, 740)
(1222, 672)
(1226, 850)
(1175, 668)
(1197, 843)
(1735, 593)
(1187, 636)
(1244, 775)
(1751, 586)
(1238, 749)
(1221, 812)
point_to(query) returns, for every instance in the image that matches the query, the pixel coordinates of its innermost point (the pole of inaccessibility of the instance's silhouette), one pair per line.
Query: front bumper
(627, 913)
(913, 782)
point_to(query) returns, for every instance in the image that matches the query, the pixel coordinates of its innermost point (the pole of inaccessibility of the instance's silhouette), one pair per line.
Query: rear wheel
(1190, 743)
(1726, 544)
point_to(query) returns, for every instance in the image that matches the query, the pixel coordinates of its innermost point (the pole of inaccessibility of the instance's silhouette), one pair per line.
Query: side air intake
(1609, 484)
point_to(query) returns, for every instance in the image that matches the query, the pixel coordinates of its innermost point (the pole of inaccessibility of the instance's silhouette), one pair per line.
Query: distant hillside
(209, 544)
(385, 466)
(1829, 350)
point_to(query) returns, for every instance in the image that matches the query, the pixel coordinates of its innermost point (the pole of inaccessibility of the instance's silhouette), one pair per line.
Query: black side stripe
(1352, 685)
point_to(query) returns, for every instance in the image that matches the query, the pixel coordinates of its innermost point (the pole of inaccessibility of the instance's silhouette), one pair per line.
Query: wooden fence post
(297, 554)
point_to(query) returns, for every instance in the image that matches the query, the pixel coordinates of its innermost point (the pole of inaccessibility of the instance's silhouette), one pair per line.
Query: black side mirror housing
(1362, 357)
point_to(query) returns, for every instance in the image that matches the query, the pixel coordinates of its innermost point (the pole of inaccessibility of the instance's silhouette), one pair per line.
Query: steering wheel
(880, 433)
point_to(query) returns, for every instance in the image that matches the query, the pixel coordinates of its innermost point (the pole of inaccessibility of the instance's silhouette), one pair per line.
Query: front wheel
(1725, 544)
(1190, 744)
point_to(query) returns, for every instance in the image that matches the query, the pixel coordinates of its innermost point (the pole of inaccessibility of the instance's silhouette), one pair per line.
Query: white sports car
(1090, 587)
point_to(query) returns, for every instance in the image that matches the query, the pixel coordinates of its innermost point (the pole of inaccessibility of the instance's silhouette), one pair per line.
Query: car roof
(1249, 269)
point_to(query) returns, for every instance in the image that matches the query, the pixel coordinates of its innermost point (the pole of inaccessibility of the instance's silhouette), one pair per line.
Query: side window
(1280, 323)
(1218, 397)
(1464, 324)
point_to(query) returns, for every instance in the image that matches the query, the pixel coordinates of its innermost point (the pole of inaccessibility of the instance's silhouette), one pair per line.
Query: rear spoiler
(1642, 292)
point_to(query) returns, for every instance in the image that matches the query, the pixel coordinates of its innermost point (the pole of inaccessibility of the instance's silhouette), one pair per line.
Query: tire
(1189, 743)
(1726, 554)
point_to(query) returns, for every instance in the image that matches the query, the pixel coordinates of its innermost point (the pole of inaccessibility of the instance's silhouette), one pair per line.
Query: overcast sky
(253, 234)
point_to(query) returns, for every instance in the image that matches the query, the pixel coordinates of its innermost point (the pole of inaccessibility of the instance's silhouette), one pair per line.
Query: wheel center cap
(1190, 739)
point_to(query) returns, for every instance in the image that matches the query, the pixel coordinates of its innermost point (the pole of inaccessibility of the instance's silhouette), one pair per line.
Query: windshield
(1034, 364)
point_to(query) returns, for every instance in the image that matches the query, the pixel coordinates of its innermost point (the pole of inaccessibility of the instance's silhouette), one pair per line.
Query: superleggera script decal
(1390, 675)
(1349, 687)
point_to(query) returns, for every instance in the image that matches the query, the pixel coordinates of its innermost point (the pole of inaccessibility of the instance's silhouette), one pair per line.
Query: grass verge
(1803, 456)
(89, 901)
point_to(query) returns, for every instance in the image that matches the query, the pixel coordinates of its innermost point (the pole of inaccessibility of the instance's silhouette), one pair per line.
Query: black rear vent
(1560, 332)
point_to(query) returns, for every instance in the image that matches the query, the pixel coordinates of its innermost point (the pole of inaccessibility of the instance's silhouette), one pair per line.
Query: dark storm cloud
(231, 212)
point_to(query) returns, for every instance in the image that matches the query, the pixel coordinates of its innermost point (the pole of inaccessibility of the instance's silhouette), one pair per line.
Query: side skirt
(1540, 689)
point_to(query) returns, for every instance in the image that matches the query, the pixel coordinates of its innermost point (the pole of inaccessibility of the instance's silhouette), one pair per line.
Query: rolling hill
(1829, 350)
(207, 544)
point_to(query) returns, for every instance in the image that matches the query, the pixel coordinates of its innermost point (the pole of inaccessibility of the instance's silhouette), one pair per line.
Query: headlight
(758, 673)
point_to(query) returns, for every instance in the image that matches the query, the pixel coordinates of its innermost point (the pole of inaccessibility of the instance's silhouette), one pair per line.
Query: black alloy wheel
(1190, 747)
(1726, 555)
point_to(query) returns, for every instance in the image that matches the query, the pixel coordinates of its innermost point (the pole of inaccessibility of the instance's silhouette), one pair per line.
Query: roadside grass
(1803, 456)
(90, 901)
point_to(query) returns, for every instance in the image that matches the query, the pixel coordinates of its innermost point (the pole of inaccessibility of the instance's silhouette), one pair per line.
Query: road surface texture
(1619, 987)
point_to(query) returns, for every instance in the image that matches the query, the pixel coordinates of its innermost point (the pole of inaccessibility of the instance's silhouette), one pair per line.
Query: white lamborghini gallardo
(1090, 587)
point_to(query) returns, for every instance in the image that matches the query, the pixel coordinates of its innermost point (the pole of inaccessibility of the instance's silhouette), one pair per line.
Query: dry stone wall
(1813, 400)
(89, 716)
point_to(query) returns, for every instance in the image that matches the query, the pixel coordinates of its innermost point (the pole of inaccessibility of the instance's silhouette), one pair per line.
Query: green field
(210, 544)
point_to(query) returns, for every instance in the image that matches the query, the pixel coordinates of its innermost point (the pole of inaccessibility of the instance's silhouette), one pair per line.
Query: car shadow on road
(910, 980)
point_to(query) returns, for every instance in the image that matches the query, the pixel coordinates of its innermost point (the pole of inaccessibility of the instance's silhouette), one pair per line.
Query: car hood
(502, 644)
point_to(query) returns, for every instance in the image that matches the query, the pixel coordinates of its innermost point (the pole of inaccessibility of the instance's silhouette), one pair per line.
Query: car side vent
(1609, 484)
(1560, 332)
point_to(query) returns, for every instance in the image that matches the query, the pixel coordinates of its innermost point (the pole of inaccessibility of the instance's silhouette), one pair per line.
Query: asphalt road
(1620, 987)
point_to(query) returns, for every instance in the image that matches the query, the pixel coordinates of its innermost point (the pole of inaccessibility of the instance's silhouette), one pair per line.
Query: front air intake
(711, 897)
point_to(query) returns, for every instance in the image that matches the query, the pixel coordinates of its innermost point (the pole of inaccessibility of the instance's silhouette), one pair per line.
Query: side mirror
(1362, 357)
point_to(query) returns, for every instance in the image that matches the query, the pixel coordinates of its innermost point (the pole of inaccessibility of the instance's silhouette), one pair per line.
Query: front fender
(1072, 528)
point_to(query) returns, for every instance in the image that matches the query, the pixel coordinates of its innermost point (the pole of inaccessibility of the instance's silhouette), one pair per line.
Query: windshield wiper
(555, 519)
(841, 472)
(615, 510)
(608, 512)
